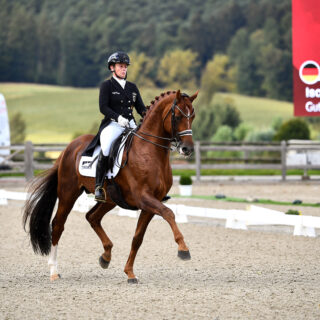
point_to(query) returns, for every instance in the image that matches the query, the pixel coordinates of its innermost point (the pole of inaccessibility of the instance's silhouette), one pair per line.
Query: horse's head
(182, 115)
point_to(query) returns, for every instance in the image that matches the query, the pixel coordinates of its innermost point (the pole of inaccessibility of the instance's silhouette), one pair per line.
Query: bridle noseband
(175, 138)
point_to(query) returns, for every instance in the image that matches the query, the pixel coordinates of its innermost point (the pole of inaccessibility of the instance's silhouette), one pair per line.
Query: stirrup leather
(99, 188)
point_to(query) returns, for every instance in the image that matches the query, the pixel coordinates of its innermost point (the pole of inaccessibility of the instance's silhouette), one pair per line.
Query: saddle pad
(88, 169)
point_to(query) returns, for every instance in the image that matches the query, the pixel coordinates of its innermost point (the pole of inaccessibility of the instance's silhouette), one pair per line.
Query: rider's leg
(107, 136)
(100, 193)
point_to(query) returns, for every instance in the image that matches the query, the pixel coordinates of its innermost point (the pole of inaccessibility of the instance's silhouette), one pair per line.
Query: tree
(218, 76)
(141, 69)
(17, 128)
(48, 50)
(204, 124)
(241, 132)
(177, 69)
(214, 115)
(21, 45)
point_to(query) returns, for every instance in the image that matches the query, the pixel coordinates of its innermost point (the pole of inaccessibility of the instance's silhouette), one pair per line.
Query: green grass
(241, 200)
(242, 172)
(54, 113)
(259, 112)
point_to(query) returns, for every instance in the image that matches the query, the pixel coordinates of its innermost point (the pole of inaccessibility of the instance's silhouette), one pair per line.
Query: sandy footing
(232, 274)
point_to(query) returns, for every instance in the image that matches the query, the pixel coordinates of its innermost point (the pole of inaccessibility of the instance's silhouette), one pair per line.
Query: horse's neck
(151, 129)
(154, 122)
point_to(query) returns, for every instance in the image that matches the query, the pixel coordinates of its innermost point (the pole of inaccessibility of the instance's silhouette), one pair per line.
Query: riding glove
(123, 122)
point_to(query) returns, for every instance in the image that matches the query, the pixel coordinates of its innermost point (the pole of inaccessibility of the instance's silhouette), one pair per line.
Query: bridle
(176, 136)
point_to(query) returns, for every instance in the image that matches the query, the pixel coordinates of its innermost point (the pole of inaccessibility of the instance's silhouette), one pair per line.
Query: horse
(144, 181)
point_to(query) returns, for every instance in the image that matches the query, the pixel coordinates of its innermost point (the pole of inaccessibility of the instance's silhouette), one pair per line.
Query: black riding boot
(100, 192)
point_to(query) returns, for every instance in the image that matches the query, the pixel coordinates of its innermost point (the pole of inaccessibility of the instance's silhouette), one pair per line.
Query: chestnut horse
(144, 180)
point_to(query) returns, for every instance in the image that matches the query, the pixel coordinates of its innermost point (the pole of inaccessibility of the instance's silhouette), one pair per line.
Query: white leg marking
(53, 262)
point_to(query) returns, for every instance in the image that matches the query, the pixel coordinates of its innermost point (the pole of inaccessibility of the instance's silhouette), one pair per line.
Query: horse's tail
(39, 207)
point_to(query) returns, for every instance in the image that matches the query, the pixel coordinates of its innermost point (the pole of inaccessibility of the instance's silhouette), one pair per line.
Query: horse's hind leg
(143, 222)
(94, 217)
(65, 206)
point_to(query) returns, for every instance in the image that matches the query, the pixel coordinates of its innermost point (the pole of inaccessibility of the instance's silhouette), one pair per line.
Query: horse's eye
(178, 118)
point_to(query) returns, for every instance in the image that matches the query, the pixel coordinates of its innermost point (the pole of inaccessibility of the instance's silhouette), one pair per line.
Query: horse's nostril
(187, 150)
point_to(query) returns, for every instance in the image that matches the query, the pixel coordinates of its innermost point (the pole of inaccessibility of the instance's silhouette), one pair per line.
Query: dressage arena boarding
(263, 272)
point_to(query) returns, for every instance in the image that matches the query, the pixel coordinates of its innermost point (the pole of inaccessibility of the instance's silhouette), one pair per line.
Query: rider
(116, 101)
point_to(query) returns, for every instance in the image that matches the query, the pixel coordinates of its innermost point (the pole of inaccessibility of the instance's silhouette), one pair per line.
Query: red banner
(306, 57)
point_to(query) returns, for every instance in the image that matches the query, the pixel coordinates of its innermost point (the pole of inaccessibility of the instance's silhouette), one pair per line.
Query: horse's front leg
(143, 222)
(153, 205)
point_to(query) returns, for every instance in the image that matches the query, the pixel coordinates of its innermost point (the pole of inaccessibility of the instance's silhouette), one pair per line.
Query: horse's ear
(194, 96)
(178, 95)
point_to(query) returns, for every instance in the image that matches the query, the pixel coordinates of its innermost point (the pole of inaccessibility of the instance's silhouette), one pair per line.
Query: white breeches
(110, 133)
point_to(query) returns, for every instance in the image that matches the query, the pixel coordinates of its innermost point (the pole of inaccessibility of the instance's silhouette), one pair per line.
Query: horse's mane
(157, 99)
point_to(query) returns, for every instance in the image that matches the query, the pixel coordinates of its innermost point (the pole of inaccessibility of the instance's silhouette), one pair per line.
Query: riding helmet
(118, 57)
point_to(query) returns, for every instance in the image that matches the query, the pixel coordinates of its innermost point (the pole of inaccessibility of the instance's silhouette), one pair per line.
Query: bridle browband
(175, 138)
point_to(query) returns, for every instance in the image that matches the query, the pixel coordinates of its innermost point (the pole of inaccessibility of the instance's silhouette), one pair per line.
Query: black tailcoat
(113, 102)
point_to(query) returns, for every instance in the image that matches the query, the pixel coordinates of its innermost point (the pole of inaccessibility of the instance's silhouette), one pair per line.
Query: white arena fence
(234, 219)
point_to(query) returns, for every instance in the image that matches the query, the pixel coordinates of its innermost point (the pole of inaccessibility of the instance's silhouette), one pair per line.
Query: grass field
(260, 112)
(54, 114)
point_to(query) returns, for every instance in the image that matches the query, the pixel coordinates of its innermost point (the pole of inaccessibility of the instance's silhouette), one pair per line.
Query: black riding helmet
(118, 57)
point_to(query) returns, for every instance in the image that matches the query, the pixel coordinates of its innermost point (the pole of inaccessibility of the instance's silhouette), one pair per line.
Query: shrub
(260, 136)
(293, 129)
(185, 180)
(223, 134)
(17, 128)
(242, 131)
(293, 212)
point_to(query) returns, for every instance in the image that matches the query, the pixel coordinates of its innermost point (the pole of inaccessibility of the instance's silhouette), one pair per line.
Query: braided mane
(158, 99)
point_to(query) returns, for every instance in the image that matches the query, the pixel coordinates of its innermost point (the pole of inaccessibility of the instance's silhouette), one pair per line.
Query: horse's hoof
(133, 280)
(55, 277)
(103, 263)
(184, 255)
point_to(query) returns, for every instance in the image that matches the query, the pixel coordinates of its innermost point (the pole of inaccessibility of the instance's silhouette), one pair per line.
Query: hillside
(54, 113)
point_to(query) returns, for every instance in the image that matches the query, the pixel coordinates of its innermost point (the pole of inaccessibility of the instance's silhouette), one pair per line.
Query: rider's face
(120, 70)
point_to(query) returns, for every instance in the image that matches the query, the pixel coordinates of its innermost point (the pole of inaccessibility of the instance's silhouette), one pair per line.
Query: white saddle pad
(88, 169)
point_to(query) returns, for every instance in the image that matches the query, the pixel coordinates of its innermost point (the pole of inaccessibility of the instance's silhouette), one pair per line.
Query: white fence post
(28, 160)
(283, 159)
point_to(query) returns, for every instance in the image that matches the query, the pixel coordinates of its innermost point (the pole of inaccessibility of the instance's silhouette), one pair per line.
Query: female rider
(116, 101)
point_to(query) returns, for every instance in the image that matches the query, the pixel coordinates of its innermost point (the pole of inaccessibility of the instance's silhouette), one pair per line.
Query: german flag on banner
(309, 72)
(306, 57)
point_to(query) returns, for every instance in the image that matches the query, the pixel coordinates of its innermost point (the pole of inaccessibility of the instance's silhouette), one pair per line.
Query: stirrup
(99, 197)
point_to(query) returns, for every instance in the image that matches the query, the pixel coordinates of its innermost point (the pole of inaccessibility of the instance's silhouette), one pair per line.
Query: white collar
(122, 82)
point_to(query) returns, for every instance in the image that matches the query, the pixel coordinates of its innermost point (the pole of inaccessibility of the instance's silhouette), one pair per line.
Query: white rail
(235, 219)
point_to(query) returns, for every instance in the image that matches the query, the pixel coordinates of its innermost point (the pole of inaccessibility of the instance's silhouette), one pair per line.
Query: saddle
(87, 166)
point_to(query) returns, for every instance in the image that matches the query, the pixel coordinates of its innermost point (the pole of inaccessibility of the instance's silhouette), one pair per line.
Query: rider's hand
(123, 122)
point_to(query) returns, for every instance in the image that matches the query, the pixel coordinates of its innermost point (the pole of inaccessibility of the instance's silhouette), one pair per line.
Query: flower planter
(185, 190)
